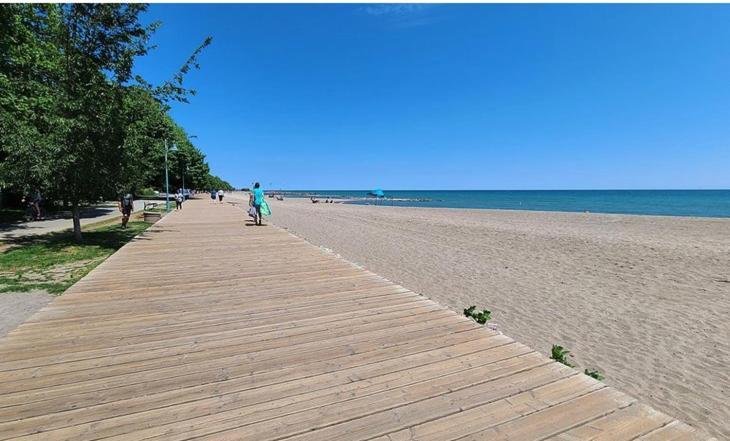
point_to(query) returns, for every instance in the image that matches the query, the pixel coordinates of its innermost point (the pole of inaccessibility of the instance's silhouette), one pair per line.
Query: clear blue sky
(454, 96)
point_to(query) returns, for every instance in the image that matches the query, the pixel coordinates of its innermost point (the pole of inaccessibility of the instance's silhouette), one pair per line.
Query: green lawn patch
(161, 208)
(54, 262)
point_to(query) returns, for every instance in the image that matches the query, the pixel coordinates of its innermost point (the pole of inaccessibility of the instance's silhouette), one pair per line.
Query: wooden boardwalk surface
(207, 329)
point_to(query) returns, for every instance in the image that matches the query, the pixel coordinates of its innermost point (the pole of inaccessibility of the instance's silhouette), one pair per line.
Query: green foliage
(480, 317)
(9, 215)
(147, 191)
(53, 262)
(73, 123)
(216, 183)
(594, 374)
(560, 354)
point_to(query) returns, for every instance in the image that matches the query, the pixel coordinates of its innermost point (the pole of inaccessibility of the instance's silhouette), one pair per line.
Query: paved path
(207, 329)
(88, 216)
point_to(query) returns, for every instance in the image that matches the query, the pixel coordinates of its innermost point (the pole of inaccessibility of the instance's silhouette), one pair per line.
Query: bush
(594, 374)
(147, 191)
(481, 317)
(560, 354)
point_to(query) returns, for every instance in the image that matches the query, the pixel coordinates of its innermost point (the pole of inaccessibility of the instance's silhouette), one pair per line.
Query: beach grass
(54, 262)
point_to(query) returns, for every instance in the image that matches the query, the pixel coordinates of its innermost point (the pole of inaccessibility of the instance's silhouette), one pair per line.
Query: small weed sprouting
(560, 354)
(480, 317)
(594, 374)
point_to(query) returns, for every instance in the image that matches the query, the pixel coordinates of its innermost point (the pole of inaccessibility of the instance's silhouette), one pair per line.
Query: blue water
(702, 203)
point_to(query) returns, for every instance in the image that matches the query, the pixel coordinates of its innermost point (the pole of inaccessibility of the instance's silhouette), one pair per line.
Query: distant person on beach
(213, 195)
(126, 204)
(220, 195)
(257, 196)
(179, 198)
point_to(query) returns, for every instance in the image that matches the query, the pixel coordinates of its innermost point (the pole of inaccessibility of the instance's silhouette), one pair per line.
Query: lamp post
(185, 170)
(187, 167)
(167, 180)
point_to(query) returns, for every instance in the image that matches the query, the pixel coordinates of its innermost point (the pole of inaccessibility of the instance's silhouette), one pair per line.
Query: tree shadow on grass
(35, 262)
(110, 237)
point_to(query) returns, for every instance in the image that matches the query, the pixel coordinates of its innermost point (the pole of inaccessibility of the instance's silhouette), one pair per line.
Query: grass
(54, 262)
(161, 208)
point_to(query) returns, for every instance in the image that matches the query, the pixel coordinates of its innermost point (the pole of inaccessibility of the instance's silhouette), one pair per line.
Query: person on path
(126, 205)
(36, 204)
(257, 197)
(179, 198)
(220, 196)
(213, 194)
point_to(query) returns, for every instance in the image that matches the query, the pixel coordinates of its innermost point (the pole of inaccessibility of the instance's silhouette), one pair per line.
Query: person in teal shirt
(258, 198)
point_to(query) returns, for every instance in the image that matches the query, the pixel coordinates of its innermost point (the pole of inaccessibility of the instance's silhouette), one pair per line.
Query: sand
(643, 299)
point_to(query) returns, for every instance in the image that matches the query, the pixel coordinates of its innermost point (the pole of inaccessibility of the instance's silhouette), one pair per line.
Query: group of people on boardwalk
(216, 194)
(257, 204)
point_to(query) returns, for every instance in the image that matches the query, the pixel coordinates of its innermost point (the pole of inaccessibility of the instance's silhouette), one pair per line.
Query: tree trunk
(77, 222)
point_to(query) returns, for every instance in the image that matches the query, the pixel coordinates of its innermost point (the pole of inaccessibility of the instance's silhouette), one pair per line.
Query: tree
(146, 127)
(99, 43)
(216, 183)
(29, 95)
(68, 102)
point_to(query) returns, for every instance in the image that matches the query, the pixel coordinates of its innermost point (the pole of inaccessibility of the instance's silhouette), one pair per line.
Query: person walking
(37, 200)
(213, 195)
(257, 198)
(126, 205)
(179, 198)
(220, 196)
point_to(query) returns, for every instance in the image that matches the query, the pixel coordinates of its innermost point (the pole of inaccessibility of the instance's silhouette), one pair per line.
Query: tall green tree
(216, 183)
(29, 95)
(146, 127)
(99, 43)
(67, 110)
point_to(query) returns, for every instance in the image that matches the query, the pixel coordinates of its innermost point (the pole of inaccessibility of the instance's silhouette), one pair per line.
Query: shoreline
(671, 216)
(643, 299)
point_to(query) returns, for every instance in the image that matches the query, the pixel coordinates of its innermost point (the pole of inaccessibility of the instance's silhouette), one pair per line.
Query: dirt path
(15, 308)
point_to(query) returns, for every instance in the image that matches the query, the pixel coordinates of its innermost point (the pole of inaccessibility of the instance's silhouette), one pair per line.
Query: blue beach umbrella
(378, 193)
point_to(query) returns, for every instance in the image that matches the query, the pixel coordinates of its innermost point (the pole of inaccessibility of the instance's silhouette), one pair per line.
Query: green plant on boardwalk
(560, 354)
(56, 261)
(480, 317)
(594, 374)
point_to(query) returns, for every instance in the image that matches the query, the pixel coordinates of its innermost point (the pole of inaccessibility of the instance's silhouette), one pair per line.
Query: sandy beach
(645, 300)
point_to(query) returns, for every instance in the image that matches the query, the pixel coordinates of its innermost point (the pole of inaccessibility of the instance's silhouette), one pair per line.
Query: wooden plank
(189, 332)
(624, 424)
(674, 431)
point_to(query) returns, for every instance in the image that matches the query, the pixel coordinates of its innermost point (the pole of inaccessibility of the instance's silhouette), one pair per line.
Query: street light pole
(167, 182)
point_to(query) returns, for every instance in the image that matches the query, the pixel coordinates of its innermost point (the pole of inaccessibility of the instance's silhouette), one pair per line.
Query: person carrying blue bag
(259, 203)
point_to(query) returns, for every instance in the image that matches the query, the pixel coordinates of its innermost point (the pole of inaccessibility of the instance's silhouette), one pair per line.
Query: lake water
(703, 203)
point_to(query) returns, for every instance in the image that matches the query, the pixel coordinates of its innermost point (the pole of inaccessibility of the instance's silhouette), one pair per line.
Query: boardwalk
(208, 329)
